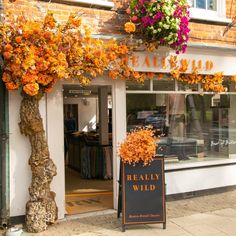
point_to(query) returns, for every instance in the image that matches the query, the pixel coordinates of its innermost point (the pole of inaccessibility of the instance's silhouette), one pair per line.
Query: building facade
(196, 128)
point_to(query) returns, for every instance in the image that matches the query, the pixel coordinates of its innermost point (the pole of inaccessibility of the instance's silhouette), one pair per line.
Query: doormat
(88, 202)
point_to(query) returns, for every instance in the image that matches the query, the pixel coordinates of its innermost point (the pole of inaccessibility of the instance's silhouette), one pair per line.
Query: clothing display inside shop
(90, 158)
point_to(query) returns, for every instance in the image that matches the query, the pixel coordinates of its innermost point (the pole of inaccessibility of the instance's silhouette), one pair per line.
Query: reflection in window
(191, 127)
(136, 86)
(204, 4)
(211, 5)
(164, 84)
(201, 4)
(186, 87)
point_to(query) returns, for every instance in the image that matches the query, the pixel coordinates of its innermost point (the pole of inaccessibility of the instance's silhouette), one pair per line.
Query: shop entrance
(88, 148)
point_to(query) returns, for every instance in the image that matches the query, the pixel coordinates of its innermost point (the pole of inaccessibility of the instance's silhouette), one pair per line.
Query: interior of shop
(88, 148)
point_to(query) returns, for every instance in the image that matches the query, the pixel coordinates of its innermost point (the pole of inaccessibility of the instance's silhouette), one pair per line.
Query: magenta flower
(149, 17)
(158, 16)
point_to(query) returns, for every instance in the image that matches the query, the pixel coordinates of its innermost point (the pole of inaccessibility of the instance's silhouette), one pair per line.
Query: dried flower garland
(162, 22)
(39, 53)
(139, 146)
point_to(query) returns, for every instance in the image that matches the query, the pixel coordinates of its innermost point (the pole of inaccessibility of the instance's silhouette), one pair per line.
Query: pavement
(207, 215)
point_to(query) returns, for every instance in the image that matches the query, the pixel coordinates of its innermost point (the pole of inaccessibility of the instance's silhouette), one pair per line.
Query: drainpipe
(4, 172)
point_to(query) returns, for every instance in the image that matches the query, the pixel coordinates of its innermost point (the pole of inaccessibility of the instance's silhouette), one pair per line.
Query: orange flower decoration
(49, 21)
(233, 78)
(123, 49)
(113, 74)
(130, 27)
(74, 21)
(31, 89)
(7, 55)
(139, 146)
(8, 48)
(6, 77)
(29, 78)
(150, 75)
(18, 39)
(11, 86)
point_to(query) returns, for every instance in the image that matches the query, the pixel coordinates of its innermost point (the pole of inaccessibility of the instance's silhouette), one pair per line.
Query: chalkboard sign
(143, 193)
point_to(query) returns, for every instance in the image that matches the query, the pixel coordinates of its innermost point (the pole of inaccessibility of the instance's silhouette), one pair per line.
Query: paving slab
(214, 214)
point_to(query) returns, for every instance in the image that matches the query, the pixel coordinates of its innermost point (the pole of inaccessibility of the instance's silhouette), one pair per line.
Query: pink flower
(134, 19)
(128, 11)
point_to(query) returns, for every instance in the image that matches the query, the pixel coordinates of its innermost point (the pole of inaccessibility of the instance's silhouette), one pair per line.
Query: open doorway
(88, 148)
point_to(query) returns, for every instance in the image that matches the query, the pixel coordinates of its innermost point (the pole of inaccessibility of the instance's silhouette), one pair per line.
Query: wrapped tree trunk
(41, 209)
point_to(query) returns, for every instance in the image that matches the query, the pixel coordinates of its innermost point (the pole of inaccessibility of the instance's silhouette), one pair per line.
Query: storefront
(196, 128)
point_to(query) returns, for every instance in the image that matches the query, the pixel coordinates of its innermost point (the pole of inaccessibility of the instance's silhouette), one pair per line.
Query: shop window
(213, 10)
(190, 127)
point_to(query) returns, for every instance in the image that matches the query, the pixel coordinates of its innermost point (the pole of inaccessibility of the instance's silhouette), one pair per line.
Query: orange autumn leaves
(39, 53)
(32, 57)
(208, 82)
(139, 146)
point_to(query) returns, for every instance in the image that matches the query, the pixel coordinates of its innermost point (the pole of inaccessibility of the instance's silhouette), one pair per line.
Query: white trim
(102, 3)
(197, 164)
(118, 122)
(173, 91)
(209, 15)
(199, 179)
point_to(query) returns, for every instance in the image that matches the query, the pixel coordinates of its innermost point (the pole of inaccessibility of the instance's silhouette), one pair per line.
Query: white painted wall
(55, 134)
(87, 112)
(200, 179)
(19, 148)
(119, 127)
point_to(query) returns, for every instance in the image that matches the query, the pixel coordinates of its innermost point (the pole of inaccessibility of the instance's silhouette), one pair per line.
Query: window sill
(208, 16)
(221, 20)
(169, 167)
(89, 3)
(101, 3)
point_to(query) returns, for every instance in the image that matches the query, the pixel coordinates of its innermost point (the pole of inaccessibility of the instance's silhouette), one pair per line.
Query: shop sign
(165, 61)
(143, 193)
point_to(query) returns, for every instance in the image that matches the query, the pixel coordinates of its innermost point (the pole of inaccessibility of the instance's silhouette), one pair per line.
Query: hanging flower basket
(138, 147)
(161, 22)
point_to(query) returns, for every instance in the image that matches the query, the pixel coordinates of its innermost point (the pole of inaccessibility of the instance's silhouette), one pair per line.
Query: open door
(88, 148)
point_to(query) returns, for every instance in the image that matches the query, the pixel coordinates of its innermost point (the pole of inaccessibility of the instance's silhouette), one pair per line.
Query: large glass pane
(146, 109)
(211, 5)
(187, 87)
(201, 4)
(164, 84)
(137, 86)
(190, 127)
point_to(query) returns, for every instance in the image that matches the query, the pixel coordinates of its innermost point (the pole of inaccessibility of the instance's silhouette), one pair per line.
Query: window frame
(169, 167)
(209, 15)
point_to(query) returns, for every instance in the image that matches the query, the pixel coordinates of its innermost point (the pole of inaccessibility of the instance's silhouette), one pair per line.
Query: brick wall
(109, 22)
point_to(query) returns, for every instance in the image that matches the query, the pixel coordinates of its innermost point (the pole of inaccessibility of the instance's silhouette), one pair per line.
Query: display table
(181, 148)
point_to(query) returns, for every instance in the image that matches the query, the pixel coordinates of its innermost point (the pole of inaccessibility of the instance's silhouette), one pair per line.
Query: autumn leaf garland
(39, 53)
